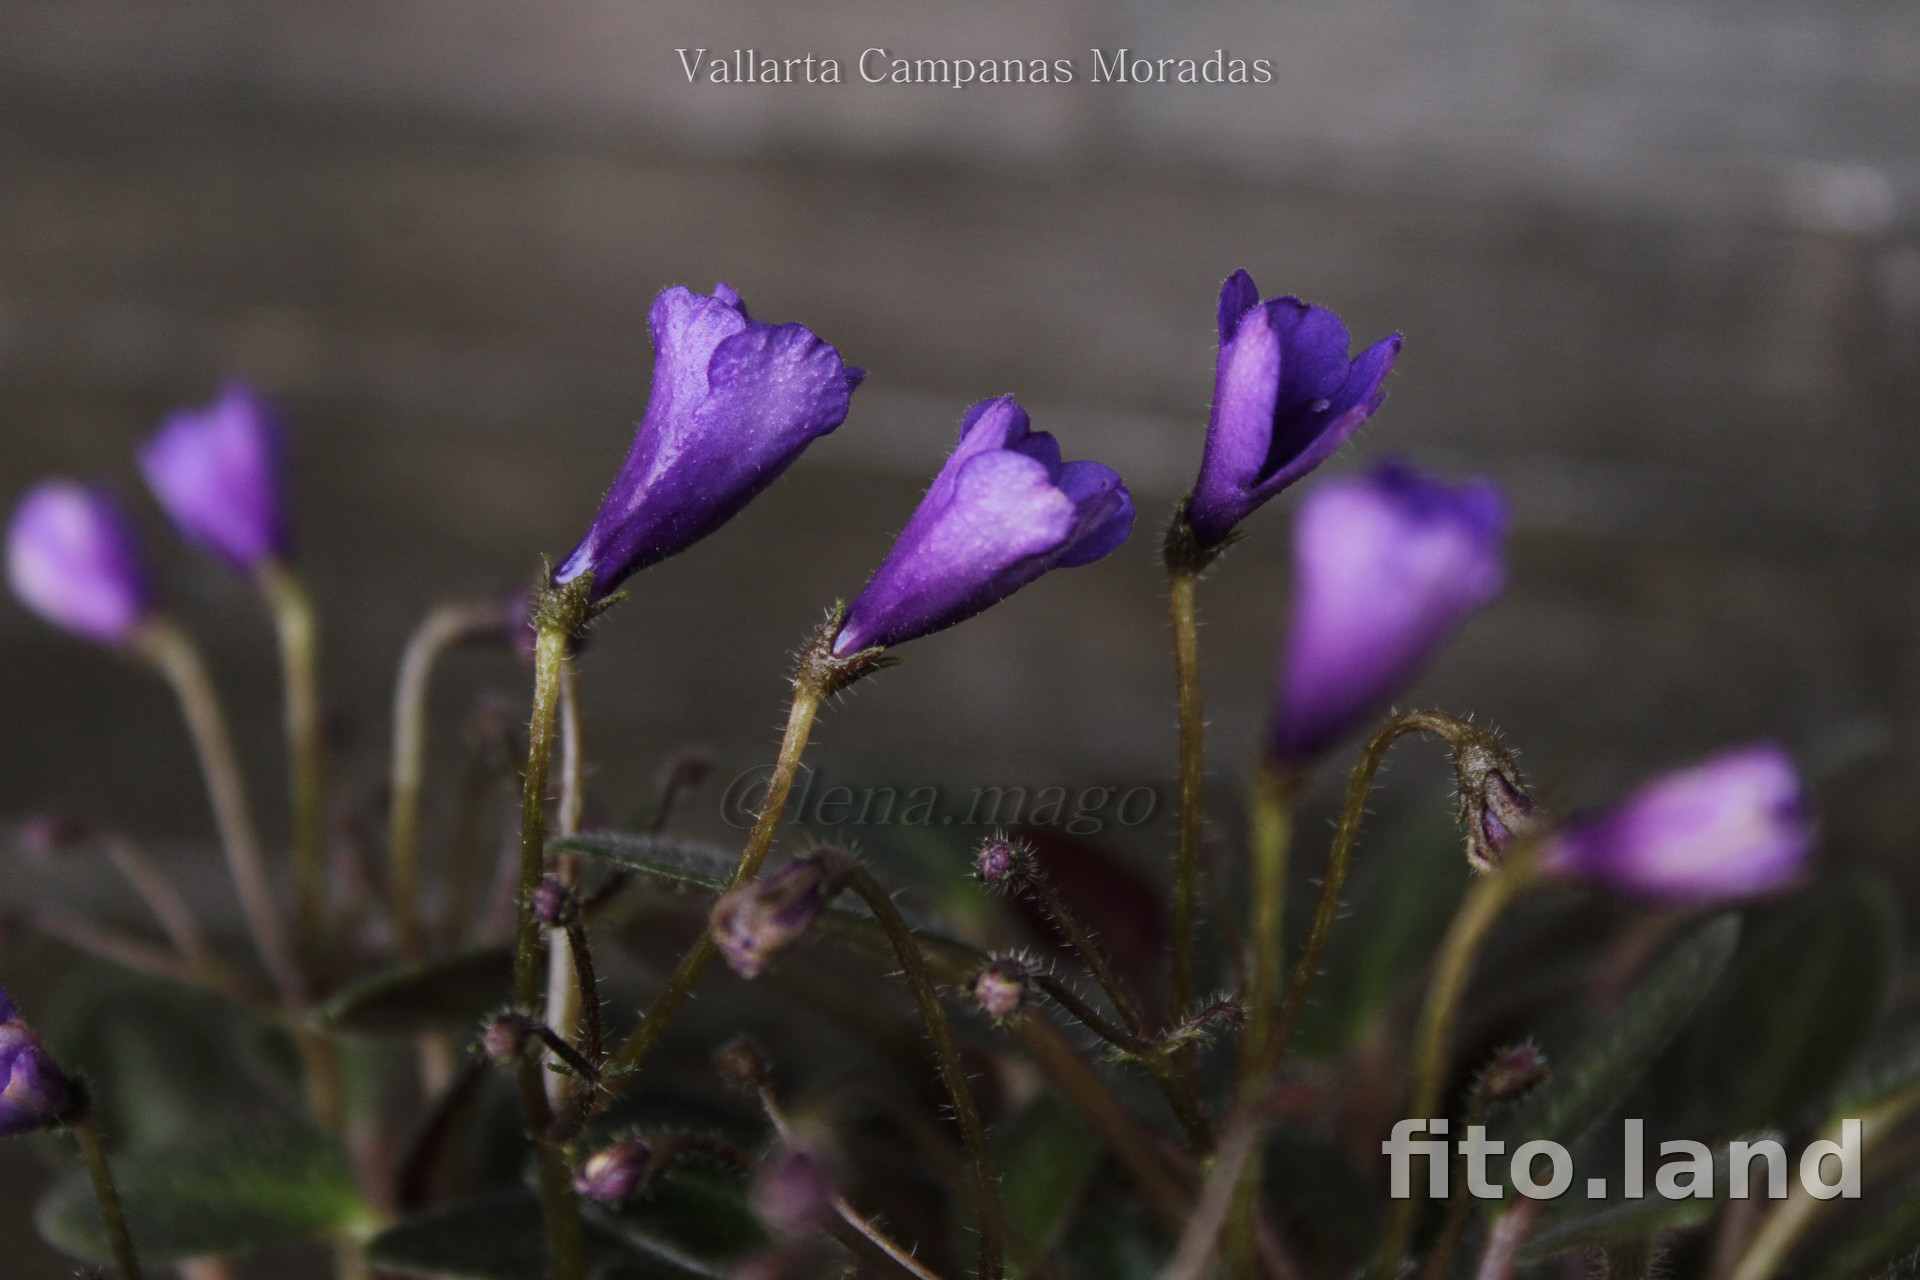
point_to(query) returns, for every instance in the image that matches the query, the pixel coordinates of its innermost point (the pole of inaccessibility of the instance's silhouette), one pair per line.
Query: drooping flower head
(758, 920)
(1285, 397)
(1003, 510)
(73, 558)
(219, 471)
(1732, 826)
(1386, 565)
(34, 1092)
(734, 402)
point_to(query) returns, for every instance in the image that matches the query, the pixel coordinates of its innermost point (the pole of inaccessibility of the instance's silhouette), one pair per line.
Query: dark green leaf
(501, 1239)
(1801, 1004)
(1599, 1073)
(448, 992)
(1615, 1222)
(691, 1214)
(249, 1185)
(1045, 1155)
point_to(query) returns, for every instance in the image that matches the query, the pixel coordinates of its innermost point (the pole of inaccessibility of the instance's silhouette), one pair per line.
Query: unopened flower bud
(999, 861)
(741, 1064)
(793, 1193)
(34, 1092)
(1514, 1073)
(613, 1173)
(754, 922)
(554, 904)
(73, 558)
(1494, 810)
(218, 469)
(505, 1037)
(1000, 990)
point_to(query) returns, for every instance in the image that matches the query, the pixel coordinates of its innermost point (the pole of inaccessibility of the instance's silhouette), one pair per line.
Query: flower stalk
(297, 626)
(100, 1174)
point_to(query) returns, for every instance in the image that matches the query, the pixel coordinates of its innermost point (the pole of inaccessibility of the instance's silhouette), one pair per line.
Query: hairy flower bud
(1494, 809)
(554, 904)
(73, 558)
(218, 471)
(614, 1172)
(999, 861)
(1285, 397)
(34, 1092)
(505, 1036)
(740, 1063)
(1000, 990)
(793, 1192)
(1730, 827)
(1003, 511)
(1514, 1073)
(754, 922)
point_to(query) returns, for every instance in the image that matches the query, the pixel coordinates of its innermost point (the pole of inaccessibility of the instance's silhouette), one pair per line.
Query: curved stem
(793, 744)
(1271, 837)
(1501, 1255)
(1055, 908)
(1217, 1199)
(446, 626)
(1485, 901)
(550, 656)
(966, 1112)
(175, 917)
(111, 1215)
(1193, 762)
(170, 649)
(565, 992)
(1788, 1220)
(299, 632)
(559, 1207)
(1353, 812)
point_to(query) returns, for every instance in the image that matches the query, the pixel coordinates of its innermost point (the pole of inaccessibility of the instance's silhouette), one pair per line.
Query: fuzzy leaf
(1596, 1076)
(1616, 1222)
(252, 1184)
(448, 992)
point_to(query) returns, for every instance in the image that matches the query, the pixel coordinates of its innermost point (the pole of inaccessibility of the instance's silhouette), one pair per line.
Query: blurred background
(1657, 264)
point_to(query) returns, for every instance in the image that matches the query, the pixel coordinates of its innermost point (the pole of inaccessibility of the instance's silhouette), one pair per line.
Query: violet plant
(1005, 1076)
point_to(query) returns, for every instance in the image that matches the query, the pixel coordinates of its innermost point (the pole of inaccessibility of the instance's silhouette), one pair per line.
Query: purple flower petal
(1386, 566)
(1730, 827)
(73, 558)
(1285, 398)
(217, 470)
(1002, 512)
(734, 402)
(34, 1092)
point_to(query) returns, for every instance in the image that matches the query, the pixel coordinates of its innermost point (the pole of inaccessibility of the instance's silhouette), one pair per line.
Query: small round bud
(753, 923)
(1514, 1073)
(1000, 990)
(999, 862)
(793, 1193)
(741, 1064)
(554, 904)
(505, 1036)
(613, 1173)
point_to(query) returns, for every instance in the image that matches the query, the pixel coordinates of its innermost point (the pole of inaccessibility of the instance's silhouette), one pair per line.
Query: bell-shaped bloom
(1732, 826)
(1003, 510)
(1386, 565)
(73, 558)
(1285, 396)
(734, 402)
(219, 471)
(34, 1092)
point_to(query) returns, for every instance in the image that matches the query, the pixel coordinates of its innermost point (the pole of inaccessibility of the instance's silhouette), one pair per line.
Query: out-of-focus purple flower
(766, 916)
(734, 402)
(1003, 510)
(1000, 990)
(219, 471)
(34, 1093)
(1732, 826)
(73, 558)
(1386, 566)
(793, 1192)
(1285, 396)
(613, 1173)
